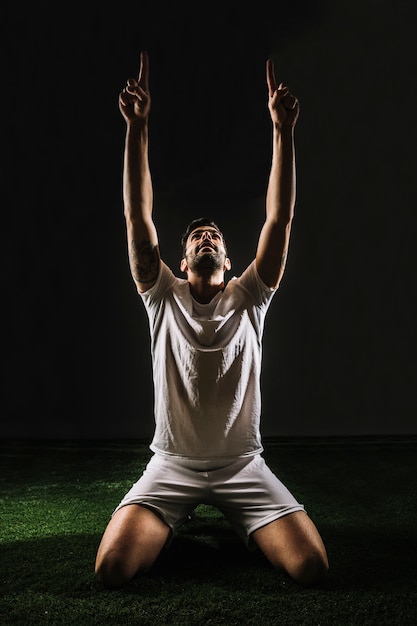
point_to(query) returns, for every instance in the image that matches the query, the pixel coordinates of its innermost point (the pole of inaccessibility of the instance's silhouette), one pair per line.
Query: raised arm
(274, 239)
(142, 238)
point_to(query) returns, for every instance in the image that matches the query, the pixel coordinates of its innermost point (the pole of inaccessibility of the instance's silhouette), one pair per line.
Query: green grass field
(57, 496)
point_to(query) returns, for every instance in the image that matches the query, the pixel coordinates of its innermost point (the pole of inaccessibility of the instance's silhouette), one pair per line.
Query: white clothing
(206, 366)
(207, 443)
(245, 490)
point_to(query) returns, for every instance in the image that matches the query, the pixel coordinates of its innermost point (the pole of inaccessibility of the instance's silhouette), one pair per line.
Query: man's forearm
(280, 198)
(137, 182)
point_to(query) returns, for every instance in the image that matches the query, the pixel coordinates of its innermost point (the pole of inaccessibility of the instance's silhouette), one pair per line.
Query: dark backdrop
(340, 335)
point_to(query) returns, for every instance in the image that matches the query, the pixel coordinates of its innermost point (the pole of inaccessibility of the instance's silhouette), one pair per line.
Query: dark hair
(200, 221)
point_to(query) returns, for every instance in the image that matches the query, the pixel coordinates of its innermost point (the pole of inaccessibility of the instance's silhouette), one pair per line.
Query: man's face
(205, 250)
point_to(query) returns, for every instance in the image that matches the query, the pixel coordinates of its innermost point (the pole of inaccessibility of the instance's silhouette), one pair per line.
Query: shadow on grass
(66, 562)
(205, 552)
(372, 558)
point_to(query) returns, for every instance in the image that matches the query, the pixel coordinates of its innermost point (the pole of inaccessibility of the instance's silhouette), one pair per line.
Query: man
(206, 355)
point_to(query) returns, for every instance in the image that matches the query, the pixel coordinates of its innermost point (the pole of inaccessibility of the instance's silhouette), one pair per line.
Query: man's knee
(111, 570)
(114, 569)
(309, 569)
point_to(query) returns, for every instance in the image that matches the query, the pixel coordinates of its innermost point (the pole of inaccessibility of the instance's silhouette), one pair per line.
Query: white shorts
(246, 492)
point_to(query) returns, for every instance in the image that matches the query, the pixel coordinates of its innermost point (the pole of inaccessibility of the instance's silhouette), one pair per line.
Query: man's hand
(283, 106)
(135, 99)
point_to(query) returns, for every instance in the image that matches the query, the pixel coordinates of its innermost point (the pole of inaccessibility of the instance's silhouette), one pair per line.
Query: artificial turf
(57, 497)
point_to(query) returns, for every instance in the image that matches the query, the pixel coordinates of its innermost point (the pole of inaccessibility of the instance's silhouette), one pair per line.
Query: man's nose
(206, 235)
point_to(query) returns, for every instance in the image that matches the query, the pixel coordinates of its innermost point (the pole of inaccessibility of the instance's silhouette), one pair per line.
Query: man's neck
(204, 288)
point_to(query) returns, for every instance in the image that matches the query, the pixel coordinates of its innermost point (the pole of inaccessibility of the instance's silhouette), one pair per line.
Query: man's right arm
(142, 237)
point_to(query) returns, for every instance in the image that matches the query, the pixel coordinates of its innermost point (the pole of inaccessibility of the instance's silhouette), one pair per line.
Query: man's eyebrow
(198, 231)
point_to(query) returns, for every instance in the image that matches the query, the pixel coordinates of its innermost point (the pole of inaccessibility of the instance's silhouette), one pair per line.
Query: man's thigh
(132, 541)
(293, 542)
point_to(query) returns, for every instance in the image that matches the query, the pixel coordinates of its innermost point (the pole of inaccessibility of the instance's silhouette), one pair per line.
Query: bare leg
(131, 543)
(293, 543)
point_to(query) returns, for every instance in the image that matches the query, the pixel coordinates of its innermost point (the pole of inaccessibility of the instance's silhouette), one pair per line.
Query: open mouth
(206, 246)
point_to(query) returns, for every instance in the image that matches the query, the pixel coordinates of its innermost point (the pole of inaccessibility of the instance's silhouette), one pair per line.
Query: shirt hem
(205, 460)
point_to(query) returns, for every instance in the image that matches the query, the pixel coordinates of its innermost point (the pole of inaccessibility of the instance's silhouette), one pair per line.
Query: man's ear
(227, 264)
(183, 265)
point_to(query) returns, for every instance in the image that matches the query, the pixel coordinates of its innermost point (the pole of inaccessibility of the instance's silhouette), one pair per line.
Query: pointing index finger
(143, 78)
(270, 76)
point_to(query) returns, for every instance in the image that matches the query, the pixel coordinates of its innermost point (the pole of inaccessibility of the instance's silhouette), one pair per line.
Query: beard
(206, 262)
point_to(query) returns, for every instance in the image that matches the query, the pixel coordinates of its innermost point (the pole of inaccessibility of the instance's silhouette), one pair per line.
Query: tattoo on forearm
(144, 261)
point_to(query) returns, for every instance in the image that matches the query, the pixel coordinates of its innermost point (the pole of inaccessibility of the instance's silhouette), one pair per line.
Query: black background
(340, 336)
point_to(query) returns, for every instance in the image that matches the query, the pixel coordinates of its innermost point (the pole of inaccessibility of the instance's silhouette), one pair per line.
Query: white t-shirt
(206, 366)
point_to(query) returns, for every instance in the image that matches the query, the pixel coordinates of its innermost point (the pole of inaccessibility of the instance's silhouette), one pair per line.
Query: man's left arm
(274, 239)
